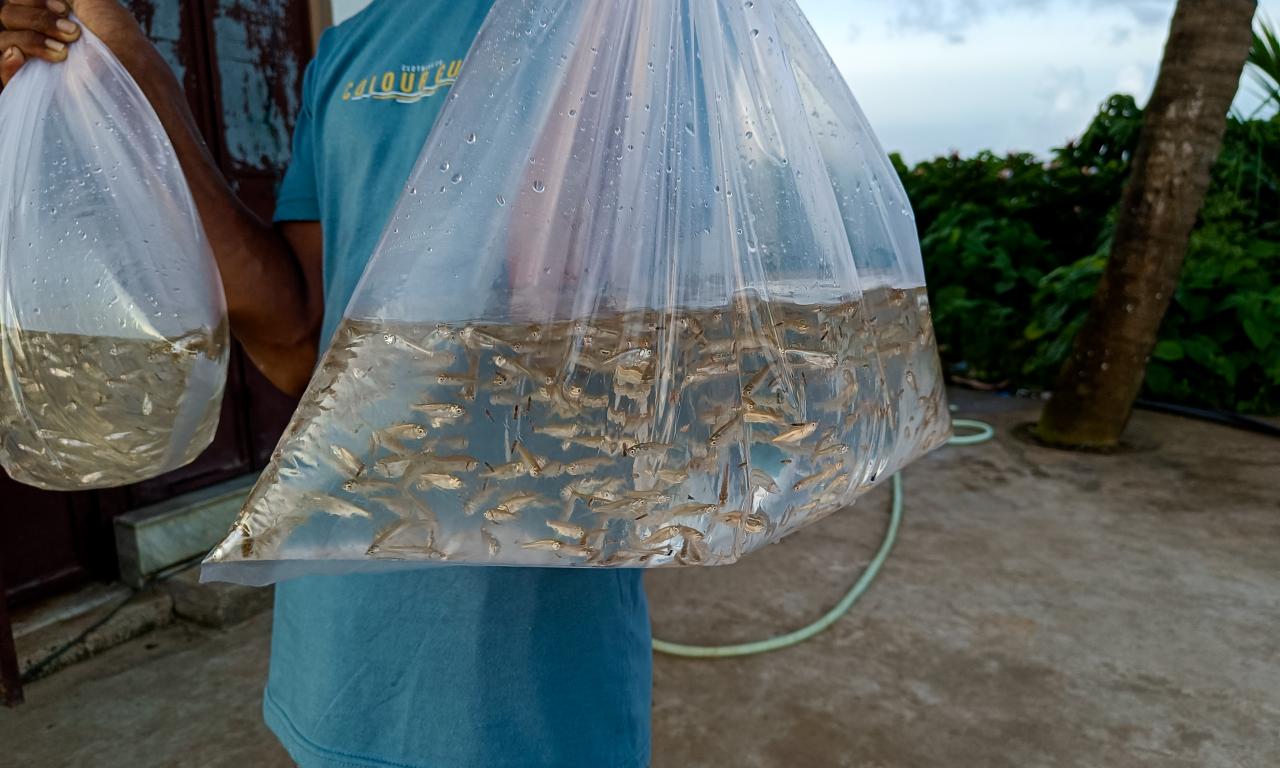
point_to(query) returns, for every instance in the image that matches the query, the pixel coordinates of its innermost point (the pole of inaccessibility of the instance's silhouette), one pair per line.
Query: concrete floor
(1041, 609)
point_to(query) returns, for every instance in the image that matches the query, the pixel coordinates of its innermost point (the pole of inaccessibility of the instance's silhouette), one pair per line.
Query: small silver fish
(440, 410)
(490, 541)
(656, 497)
(552, 469)
(651, 447)
(720, 431)
(584, 466)
(762, 479)
(454, 380)
(668, 532)
(672, 476)
(599, 442)
(334, 506)
(692, 552)
(570, 530)
(543, 545)
(816, 478)
(499, 515)
(690, 508)
(400, 432)
(392, 467)
(823, 360)
(346, 461)
(508, 471)
(627, 358)
(475, 338)
(369, 486)
(437, 480)
(558, 431)
(560, 548)
(510, 508)
(755, 380)
(532, 462)
(451, 463)
(753, 523)
(514, 366)
(764, 415)
(797, 433)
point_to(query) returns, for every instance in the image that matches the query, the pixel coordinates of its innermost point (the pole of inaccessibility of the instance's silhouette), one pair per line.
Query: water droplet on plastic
(573, 113)
(413, 190)
(755, 33)
(539, 187)
(688, 128)
(501, 200)
(750, 135)
(457, 177)
(444, 166)
(471, 138)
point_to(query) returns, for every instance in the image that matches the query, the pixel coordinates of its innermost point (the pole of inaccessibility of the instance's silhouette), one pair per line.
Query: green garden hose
(981, 433)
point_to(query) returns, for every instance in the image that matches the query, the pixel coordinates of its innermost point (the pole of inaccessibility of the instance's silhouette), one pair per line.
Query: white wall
(344, 9)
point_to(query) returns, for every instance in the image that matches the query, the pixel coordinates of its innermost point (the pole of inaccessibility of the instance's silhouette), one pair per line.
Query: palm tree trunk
(1181, 134)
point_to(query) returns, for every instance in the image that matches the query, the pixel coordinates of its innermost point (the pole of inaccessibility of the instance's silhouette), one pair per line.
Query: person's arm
(272, 278)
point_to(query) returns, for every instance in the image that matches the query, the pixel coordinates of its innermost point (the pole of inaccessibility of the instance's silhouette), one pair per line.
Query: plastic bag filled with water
(113, 333)
(652, 296)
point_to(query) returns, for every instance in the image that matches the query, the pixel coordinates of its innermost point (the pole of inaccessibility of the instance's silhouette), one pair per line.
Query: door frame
(321, 19)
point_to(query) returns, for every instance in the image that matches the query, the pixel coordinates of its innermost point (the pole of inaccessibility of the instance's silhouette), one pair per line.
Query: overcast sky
(937, 75)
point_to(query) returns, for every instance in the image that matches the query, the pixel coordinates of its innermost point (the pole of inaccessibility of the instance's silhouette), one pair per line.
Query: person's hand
(40, 29)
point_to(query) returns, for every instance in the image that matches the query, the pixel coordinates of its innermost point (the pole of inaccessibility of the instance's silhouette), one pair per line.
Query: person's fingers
(43, 20)
(60, 7)
(34, 45)
(11, 60)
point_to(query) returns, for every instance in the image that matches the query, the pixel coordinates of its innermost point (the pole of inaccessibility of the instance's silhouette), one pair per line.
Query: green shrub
(1014, 248)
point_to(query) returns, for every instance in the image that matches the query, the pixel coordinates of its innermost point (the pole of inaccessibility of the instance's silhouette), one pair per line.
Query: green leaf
(1258, 331)
(1169, 349)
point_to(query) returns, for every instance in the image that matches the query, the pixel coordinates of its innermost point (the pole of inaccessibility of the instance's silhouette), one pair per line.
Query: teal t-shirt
(446, 666)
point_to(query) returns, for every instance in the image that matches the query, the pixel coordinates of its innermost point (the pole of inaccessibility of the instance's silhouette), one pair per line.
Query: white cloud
(1120, 35)
(1066, 90)
(1133, 79)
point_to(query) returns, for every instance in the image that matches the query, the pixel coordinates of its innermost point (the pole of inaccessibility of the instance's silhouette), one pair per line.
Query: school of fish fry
(647, 438)
(97, 412)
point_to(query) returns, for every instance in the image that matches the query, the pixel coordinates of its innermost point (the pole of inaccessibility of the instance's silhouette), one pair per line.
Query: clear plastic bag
(113, 331)
(652, 296)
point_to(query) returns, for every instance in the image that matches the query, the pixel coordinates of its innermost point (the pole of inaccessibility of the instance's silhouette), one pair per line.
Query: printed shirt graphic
(409, 85)
(369, 100)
